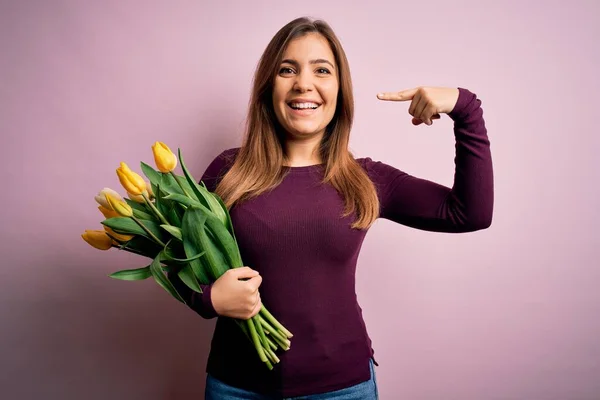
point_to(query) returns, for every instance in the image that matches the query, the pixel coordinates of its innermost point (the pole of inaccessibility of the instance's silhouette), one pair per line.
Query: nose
(303, 82)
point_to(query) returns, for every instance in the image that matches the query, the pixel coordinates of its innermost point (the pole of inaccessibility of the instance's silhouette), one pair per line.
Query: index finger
(402, 95)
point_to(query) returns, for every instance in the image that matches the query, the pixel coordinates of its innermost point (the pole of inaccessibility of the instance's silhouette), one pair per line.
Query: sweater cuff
(464, 105)
(207, 306)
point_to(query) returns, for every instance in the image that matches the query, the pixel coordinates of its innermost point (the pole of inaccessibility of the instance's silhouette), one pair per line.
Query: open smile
(303, 109)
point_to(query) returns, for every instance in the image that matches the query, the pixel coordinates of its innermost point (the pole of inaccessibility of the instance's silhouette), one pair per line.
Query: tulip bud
(149, 189)
(102, 200)
(138, 198)
(119, 236)
(108, 213)
(98, 239)
(122, 208)
(164, 158)
(132, 182)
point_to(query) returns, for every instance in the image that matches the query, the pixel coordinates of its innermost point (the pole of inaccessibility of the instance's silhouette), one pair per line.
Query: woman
(301, 206)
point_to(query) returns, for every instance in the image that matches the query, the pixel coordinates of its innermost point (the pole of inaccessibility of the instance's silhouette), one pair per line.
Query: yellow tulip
(138, 198)
(102, 200)
(122, 208)
(132, 182)
(98, 239)
(149, 189)
(108, 213)
(164, 158)
(119, 236)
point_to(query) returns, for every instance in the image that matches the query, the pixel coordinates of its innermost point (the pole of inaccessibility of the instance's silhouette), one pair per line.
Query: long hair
(258, 165)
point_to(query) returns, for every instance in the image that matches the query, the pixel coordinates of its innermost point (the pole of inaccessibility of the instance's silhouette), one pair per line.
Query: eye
(286, 70)
(323, 71)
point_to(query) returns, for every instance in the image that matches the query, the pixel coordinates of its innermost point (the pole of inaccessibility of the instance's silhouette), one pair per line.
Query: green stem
(157, 240)
(279, 341)
(273, 332)
(256, 340)
(272, 345)
(273, 356)
(259, 329)
(243, 325)
(273, 321)
(155, 210)
(267, 327)
(269, 365)
(181, 186)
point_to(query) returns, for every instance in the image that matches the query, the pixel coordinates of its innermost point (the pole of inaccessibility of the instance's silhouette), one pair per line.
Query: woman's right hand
(235, 298)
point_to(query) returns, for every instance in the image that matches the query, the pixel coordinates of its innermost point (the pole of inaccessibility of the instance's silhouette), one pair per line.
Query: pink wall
(506, 313)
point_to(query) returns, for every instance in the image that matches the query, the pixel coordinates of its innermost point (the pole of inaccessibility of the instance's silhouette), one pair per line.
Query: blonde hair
(258, 165)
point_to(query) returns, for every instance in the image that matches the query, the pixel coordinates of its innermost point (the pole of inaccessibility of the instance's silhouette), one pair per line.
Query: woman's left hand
(427, 103)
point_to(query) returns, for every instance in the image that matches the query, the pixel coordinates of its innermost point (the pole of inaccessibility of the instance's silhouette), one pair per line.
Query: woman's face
(306, 87)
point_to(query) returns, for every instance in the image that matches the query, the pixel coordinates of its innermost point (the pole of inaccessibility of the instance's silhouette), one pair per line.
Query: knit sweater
(307, 254)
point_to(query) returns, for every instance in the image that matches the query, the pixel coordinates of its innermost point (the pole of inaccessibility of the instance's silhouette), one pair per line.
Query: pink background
(507, 313)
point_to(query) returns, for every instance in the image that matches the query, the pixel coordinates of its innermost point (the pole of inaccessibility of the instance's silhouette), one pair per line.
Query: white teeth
(304, 105)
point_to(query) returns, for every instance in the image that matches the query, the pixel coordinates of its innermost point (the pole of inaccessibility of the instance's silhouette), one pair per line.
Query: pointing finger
(402, 95)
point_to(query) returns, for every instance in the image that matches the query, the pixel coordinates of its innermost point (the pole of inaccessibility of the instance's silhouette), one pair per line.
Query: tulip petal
(108, 213)
(120, 206)
(132, 182)
(97, 239)
(164, 158)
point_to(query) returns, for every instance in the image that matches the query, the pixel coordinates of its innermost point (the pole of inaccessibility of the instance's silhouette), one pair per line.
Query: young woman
(301, 205)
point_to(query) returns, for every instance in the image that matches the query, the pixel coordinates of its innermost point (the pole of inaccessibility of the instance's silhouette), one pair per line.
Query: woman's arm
(426, 205)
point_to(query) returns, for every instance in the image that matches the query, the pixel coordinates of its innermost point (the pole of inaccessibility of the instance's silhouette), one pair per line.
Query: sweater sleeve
(426, 205)
(201, 302)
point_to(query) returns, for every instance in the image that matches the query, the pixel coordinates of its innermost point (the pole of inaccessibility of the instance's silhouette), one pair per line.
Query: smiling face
(306, 87)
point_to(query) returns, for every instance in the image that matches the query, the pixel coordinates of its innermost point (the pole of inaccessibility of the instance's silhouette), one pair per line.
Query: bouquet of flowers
(184, 229)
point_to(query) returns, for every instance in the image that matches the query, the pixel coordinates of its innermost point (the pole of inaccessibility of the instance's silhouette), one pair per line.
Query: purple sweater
(307, 257)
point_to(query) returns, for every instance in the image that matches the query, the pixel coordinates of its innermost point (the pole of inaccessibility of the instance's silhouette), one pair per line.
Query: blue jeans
(217, 390)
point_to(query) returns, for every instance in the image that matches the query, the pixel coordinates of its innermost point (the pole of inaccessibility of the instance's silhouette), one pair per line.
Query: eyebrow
(317, 61)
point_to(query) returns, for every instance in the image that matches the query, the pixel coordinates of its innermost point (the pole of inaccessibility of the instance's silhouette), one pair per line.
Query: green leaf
(192, 224)
(173, 230)
(195, 239)
(192, 182)
(137, 274)
(213, 254)
(204, 196)
(153, 175)
(184, 200)
(140, 210)
(135, 205)
(162, 280)
(224, 239)
(159, 201)
(144, 246)
(177, 248)
(142, 215)
(129, 226)
(173, 215)
(172, 186)
(167, 207)
(182, 260)
(228, 223)
(186, 274)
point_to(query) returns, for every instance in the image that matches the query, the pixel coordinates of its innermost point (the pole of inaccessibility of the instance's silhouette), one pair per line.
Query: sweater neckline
(303, 169)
